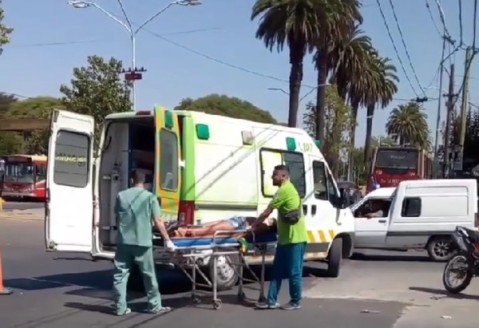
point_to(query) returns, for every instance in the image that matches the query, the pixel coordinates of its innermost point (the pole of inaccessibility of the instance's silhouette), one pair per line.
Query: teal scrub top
(136, 210)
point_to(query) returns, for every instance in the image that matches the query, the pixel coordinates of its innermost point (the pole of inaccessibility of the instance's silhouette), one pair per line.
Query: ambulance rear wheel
(227, 275)
(335, 256)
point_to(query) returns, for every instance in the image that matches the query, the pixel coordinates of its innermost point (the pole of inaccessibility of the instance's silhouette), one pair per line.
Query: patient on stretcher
(232, 224)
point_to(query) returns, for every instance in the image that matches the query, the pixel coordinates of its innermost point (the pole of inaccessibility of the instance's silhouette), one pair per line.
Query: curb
(18, 215)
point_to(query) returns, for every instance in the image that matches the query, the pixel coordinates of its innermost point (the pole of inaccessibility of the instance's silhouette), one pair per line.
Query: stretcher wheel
(196, 300)
(217, 304)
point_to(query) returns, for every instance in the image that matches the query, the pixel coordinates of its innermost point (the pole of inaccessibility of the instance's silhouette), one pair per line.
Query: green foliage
(5, 30)
(296, 24)
(38, 107)
(226, 106)
(408, 124)
(6, 101)
(97, 90)
(10, 143)
(338, 124)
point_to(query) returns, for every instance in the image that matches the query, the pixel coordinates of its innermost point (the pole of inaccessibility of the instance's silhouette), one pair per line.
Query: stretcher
(191, 252)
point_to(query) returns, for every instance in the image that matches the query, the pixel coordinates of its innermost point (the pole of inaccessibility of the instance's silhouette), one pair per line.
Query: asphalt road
(67, 290)
(9, 205)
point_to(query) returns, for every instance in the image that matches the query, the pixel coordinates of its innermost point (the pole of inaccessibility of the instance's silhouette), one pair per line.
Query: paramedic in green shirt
(292, 239)
(137, 210)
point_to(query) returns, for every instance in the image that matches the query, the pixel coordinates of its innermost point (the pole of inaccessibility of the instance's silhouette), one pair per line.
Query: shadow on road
(444, 293)
(389, 258)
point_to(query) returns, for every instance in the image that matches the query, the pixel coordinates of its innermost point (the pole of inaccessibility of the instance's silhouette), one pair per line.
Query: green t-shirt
(136, 209)
(285, 200)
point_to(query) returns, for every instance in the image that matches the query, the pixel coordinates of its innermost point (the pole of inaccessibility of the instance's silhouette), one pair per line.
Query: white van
(202, 168)
(419, 214)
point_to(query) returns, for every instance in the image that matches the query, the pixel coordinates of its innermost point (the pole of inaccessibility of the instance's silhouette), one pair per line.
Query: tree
(6, 101)
(338, 119)
(97, 90)
(10, 143)
(38, 107)
(297, 24)
(383, 87)
(226, 106)
(408, 125)
(337, 21)
(5, 30)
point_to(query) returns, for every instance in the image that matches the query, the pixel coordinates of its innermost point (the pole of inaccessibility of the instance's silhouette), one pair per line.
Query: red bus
(392, 165)
(24, 177)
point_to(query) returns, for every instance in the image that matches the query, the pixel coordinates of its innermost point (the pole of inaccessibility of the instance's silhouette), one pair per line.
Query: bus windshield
(397, 159)
(19, 172)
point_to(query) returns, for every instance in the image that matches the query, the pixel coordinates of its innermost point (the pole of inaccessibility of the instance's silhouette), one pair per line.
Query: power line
(428, 6)
(395, 48)
(62, 43)
(460, 21)
(405, 46)
(474, 19)
(219, 61)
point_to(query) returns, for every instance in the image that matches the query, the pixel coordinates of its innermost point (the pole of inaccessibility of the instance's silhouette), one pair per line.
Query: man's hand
(169, 245)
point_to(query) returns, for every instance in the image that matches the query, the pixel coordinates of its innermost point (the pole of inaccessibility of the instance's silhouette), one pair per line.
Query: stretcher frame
(190, 258)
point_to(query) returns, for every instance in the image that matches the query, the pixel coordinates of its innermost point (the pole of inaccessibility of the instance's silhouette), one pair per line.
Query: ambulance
(202, 168)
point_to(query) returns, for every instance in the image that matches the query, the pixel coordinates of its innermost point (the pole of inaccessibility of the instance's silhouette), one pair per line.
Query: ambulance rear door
(69, 183)
(168, 162)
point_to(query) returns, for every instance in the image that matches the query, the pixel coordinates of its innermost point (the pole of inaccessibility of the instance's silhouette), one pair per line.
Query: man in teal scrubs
(137, 210)
(292, 239)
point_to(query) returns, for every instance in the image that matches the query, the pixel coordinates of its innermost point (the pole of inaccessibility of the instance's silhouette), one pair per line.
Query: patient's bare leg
(208, 230)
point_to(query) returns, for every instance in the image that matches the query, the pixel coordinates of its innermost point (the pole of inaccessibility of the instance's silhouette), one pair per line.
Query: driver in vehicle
(232, 224)
(379, 209)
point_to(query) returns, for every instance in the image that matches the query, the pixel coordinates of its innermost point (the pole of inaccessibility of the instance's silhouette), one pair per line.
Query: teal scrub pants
(125, 258)
(288, 263)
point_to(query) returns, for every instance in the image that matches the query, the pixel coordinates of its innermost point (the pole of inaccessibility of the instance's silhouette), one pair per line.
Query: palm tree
(353, 81)
(408, 124)
(338, 18)
(297, 24)
(381, 92)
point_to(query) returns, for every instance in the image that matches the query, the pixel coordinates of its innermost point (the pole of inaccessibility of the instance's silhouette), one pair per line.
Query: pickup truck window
(411, 207)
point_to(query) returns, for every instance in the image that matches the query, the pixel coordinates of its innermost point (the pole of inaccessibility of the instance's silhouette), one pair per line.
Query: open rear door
(168, 159)
(69, 212)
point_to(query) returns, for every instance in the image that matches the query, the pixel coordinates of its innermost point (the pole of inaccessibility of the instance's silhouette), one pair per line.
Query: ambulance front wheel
(227, 273)
(335, 255)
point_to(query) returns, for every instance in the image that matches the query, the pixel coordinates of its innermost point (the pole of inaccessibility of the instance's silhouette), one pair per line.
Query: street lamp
(133, 73)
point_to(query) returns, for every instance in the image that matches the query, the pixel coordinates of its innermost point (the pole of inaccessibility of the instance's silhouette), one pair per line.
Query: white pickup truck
(418, 214)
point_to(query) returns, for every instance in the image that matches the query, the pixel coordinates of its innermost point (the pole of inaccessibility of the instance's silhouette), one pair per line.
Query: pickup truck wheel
(226, 270)
(440, 249)
(334, 258)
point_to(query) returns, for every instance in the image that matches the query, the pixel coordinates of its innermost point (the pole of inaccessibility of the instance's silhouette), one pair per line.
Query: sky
(198, 50)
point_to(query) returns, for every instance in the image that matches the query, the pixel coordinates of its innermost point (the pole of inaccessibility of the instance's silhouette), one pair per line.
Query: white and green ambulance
(202, 167)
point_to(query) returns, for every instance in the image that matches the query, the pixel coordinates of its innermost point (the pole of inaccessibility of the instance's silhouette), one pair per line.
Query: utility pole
(450, 110)
(464, 106)
(435, 167)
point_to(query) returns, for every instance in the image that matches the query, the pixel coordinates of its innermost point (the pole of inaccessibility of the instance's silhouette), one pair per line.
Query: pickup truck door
(369, 233)
(69, 183)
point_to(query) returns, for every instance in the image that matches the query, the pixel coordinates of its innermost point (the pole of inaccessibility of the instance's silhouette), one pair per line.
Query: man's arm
(274, 204)
(157, 220)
